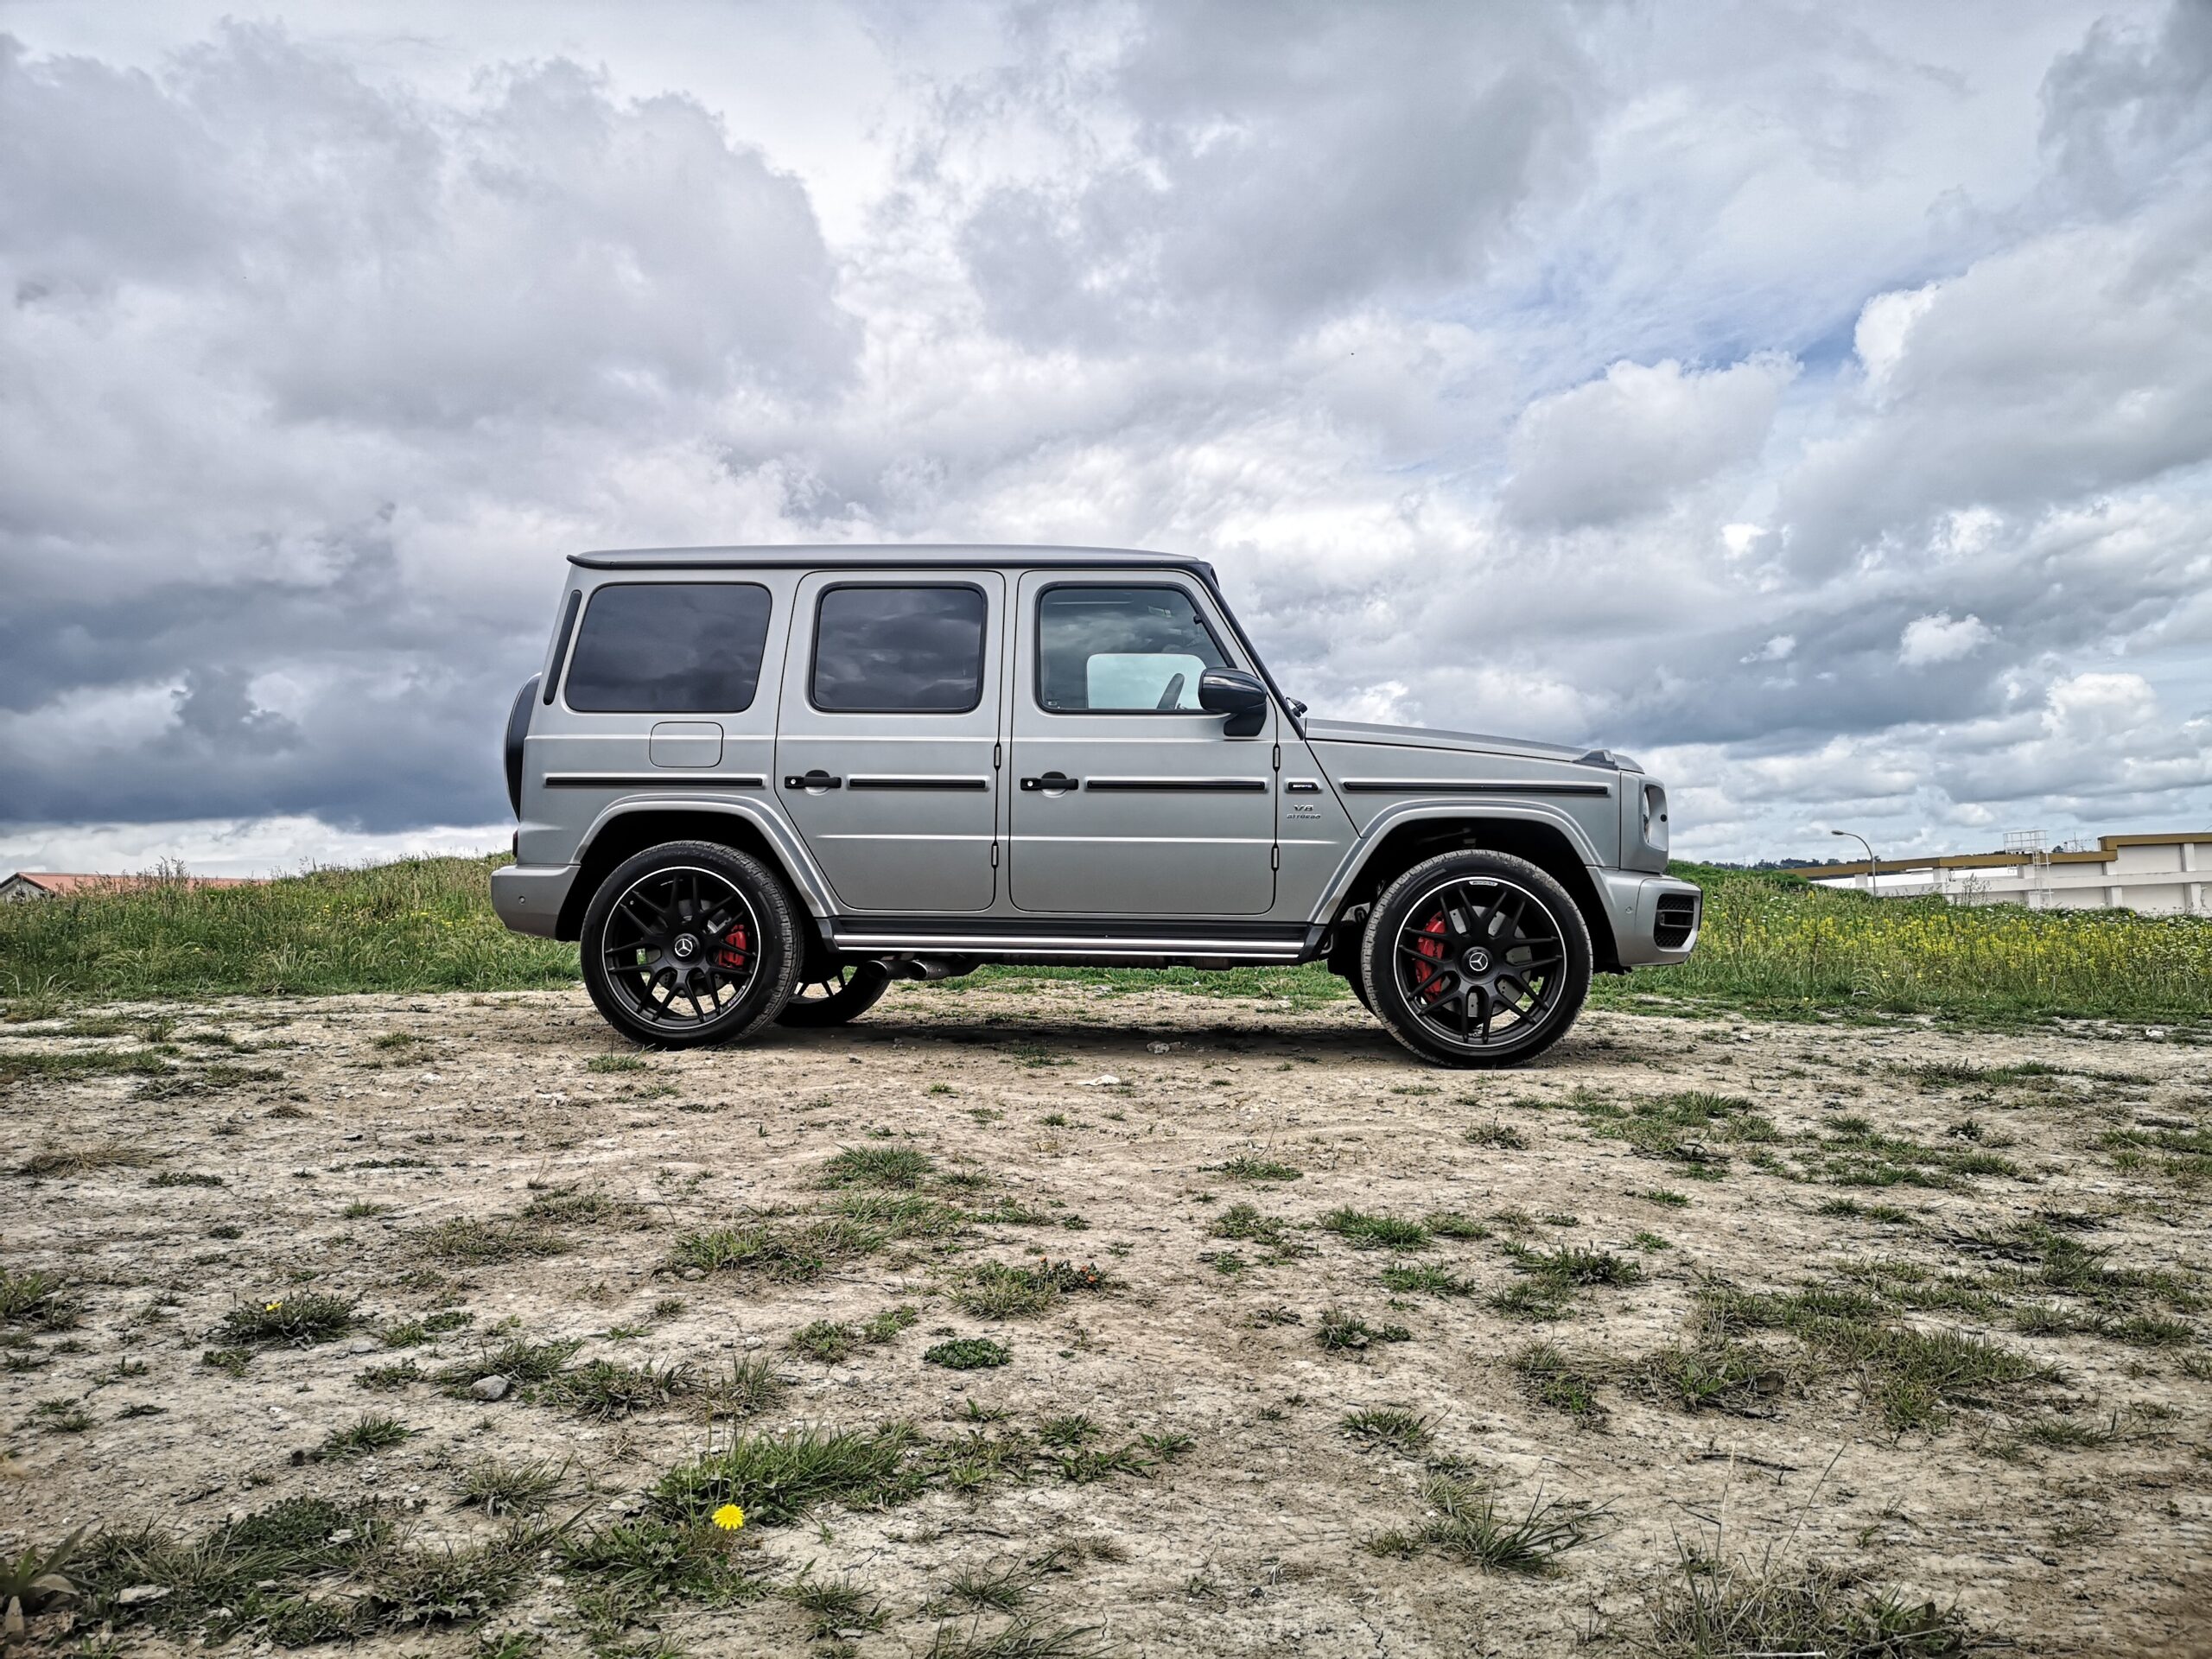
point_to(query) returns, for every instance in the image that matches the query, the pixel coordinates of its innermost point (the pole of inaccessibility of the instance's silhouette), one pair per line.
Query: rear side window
(898, 651)
(670, 647)
(1120, 650)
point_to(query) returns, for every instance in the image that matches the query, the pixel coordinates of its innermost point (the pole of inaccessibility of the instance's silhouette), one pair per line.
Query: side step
(1060, 942)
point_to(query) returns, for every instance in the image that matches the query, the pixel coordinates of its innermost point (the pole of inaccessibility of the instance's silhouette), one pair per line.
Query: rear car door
(888, 742)
(1129, 798)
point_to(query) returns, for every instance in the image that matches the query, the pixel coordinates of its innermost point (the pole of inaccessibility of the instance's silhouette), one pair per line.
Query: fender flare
(799, 868)
(1349, 868)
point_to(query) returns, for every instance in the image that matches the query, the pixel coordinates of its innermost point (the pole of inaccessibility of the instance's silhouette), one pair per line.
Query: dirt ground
(2067, 1513)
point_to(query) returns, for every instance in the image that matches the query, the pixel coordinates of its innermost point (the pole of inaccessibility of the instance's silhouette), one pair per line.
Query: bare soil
(1103, 1120)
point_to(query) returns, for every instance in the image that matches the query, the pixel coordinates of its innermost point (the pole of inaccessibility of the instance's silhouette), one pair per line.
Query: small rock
(693, 1274)
(1160, 1048)
(751, 1343)
(489, 1387)
(1104, 1080)
(137, 1595)
(361, 1345)
(356, 1135)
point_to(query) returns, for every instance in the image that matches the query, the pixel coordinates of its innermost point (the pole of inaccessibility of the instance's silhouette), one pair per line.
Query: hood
(1424, 737)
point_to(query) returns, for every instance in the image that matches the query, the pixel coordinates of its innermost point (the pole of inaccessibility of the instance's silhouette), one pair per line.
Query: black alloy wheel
(849, 992)
(1475, 959)
(690, 943)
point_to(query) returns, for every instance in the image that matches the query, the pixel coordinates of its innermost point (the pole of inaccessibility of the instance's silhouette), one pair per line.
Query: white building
(2156, 875)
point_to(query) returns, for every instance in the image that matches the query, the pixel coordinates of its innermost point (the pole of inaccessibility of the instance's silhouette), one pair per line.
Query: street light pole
(1869, 846)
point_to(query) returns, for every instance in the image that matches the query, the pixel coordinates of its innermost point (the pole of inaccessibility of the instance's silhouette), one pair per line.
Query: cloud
(1938, 640)
(1814, 404)
(1634, 439)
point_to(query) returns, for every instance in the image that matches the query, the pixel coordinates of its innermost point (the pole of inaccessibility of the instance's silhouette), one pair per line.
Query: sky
(1812, 402)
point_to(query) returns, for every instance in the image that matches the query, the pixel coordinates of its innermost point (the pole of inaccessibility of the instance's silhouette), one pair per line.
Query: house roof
(2107, 848)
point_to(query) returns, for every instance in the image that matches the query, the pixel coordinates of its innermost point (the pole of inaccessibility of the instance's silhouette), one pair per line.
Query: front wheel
(690, 943)
(1475, 959)
(849, 992)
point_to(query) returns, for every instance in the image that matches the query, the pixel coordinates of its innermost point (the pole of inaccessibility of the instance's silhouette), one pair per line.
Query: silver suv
(759, 784)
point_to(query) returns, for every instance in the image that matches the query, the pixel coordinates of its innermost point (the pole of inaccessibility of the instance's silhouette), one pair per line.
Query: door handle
(1052, 780)
(816, 779)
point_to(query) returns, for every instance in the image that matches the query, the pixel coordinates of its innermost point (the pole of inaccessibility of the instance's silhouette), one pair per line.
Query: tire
(690, 942)
(855, 988)
(1511, 957)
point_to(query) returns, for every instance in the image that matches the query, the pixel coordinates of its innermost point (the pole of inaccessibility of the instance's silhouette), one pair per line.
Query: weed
(1663, 1196)
(967, 1354)
(1571, 1264)
(1390, 1426)
(750, 1386)
(1502, 1136)
(1714, 1606)
(81, 1161)
(289, 1322)
(1426, 1278)
(1450, 1223)
(1468, 1525)
(902, 1168)
(484, 1244)
(1022, 1639)
(603, 1064)
(777, 1477)
(1369, 1231)
(1716, 1374)
(601, 1390)
(1552, 1378)
(35, 1301)
(362, 1438)
(1261, 1169)
(1340, 1331)
(497, 1486)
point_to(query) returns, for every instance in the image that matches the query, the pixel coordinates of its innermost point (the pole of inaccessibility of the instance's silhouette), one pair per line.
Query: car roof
(891, 554)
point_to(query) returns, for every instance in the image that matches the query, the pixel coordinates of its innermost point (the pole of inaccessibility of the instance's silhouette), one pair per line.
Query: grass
(1467, 1523)
(1372, 1232)
(288, 1321)
(1556, 1380)
(38, 1301)
(1261, 1169)
(779, 1478)
(1771, 943)
(901, 1167)
(1502, 1136)
(1393, 1426)
(1712, 1607)
(504, 1486)
(603, 1391)
(365, 1437)
(1342, 1333)
(477, 1244)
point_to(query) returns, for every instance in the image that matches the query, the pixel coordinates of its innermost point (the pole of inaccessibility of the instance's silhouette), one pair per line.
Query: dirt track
(1095, 1128)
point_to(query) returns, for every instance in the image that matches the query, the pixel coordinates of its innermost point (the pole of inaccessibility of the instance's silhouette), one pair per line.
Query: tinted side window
(898, 651)
(670, 647)
(1120, 650)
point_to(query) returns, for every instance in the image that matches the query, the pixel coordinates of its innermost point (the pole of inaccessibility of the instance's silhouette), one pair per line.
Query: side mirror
(1240, 696)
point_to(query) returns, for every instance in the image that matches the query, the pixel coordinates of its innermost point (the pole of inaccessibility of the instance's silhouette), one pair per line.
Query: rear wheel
(849, 993)
(690, 943)
(1475, 959)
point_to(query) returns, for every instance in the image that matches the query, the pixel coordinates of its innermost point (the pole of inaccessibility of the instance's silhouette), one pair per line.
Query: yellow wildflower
(729, 1517)
(271, 1307)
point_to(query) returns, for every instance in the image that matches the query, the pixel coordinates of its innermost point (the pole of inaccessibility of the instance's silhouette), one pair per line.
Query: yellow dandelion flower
(271, 1307)
(729, 1517)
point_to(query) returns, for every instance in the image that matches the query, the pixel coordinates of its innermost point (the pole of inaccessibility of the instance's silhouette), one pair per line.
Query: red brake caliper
(730, 953)
(1428, 980)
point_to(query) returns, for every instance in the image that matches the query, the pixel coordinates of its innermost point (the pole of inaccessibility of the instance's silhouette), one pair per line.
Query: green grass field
(1773, 944)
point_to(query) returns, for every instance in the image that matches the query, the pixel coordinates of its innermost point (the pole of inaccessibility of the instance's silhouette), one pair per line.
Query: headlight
(1654, 817)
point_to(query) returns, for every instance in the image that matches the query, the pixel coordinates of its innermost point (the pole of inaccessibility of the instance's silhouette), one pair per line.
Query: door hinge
(1275, 858)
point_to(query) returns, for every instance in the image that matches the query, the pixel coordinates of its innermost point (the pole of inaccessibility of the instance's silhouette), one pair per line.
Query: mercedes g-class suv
(760, 783)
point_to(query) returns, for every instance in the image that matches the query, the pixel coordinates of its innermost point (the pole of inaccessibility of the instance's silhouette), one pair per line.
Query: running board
(1274, 944)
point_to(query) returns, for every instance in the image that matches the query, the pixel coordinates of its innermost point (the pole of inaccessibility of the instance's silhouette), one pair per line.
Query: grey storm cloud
(1819, 406)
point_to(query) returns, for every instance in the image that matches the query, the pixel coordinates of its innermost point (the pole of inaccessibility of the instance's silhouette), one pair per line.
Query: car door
(1129, 799)
(887, 740)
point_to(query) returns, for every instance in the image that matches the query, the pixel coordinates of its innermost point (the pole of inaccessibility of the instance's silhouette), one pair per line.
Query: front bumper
(1655, 918)
(529, 897)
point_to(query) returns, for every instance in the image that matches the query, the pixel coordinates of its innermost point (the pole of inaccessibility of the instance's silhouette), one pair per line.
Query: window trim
(1037, 654)
(982, 651)
(576, 635)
